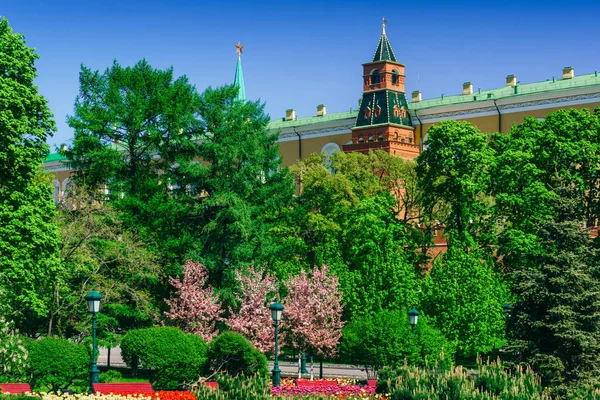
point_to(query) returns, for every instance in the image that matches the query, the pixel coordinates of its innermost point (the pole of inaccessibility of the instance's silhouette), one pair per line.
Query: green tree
(350, 219)
(556, 319)
(240, 188)
(464, 294)
(28, 235)
(454, 178)
(99, 253)
(133, 125)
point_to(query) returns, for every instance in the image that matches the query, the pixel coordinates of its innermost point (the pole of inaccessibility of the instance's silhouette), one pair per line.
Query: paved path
(287, 368)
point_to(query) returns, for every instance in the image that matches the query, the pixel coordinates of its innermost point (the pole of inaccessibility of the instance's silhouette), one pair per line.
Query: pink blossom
(313, 312)
(254, 317)
(195, 307)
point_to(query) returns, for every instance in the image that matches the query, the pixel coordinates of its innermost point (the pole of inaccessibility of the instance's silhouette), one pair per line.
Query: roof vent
(568, 73)
(467, 88)
(416, 96)
(321, 110)
(290, 114)
(511, 80)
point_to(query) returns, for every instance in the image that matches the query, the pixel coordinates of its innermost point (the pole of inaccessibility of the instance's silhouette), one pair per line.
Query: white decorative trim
(288, 137)
(513, 108)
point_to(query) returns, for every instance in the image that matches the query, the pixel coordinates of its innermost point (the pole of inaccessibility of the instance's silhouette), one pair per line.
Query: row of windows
(376, 77)
(403, 138)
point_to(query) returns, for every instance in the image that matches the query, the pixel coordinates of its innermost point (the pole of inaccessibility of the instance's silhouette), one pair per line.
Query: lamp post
(93, 299)
(413, 318)
(276, 311)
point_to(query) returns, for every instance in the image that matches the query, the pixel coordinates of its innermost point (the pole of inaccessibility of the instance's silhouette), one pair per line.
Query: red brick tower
(383, 121)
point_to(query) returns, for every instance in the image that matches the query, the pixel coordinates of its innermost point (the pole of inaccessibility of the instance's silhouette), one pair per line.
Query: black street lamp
(413, 318)
(93, 299)
(507, 307)
(276, 311)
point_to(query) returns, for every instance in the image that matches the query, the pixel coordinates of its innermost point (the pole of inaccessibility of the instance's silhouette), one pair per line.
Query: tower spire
(384, 51)
(239, 75)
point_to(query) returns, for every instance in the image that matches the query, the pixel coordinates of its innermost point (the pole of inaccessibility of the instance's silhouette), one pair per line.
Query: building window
(395, 76)
(403, 113)
(371, 139)
(367, 113)
(396, 111)
(380, 137)
(375, 78)
(361, 139)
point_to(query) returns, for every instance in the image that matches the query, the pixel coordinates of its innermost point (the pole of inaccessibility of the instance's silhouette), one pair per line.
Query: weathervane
(238, 49)
(383, 24)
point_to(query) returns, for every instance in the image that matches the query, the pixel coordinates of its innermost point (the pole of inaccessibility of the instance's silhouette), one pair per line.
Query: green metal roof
(384, 50)
(282, 123)
(509, 91)
(55, 157)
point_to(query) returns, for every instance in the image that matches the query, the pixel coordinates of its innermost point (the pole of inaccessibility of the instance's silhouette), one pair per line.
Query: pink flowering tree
(313, 312)
(253, 320)
(195, 308)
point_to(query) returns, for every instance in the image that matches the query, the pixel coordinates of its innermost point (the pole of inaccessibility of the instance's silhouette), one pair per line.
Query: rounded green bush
(176, 357)
(57, 363)
(233, 354)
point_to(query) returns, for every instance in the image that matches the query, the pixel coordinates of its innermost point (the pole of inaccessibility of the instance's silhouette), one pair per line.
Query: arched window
(361, 139)
(371, 139)
(380, 137)
(375, 78)
(395, 76)
(327, 151)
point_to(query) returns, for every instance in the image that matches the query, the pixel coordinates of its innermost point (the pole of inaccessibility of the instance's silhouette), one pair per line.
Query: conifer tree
(28, 235)
(556, 320)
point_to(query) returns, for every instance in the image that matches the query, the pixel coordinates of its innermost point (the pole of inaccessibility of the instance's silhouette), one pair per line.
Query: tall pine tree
(556, 320)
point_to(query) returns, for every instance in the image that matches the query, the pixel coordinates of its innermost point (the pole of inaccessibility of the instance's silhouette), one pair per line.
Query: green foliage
(556, 317)
(240, 387)
(28, 235)
(432, 382)
(463, 294)
(176, 357)
(240, 189)
(99, 252)
(57, 364)
(386, 339)
(13, 354)
(110, 376)
(454, 175)
(350, 222)
(17, 397)
(230, 352)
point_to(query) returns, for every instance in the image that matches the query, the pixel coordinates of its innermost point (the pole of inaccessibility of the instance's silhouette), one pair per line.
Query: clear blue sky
(304, 53)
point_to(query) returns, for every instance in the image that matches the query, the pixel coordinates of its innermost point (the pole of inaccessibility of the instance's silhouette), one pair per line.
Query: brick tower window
(375, 78)
(395, 76)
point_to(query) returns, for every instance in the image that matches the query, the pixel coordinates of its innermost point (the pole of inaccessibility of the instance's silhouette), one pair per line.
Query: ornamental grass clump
(490, 381)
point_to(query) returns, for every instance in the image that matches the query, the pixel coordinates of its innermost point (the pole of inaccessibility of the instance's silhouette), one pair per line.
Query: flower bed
(158, 395)
(347, 391)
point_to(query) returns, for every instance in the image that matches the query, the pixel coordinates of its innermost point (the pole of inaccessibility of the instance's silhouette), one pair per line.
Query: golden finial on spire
(238, 49)
(383, 24)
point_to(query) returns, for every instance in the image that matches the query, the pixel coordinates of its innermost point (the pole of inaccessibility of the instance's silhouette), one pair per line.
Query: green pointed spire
(384, 50)
(239, 75)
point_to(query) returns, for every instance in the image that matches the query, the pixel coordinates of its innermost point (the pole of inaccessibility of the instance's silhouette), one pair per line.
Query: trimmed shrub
(386, 339)
(17, 397)
(57, 363)
(110, 376)
(176, 357)
(233, 354)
